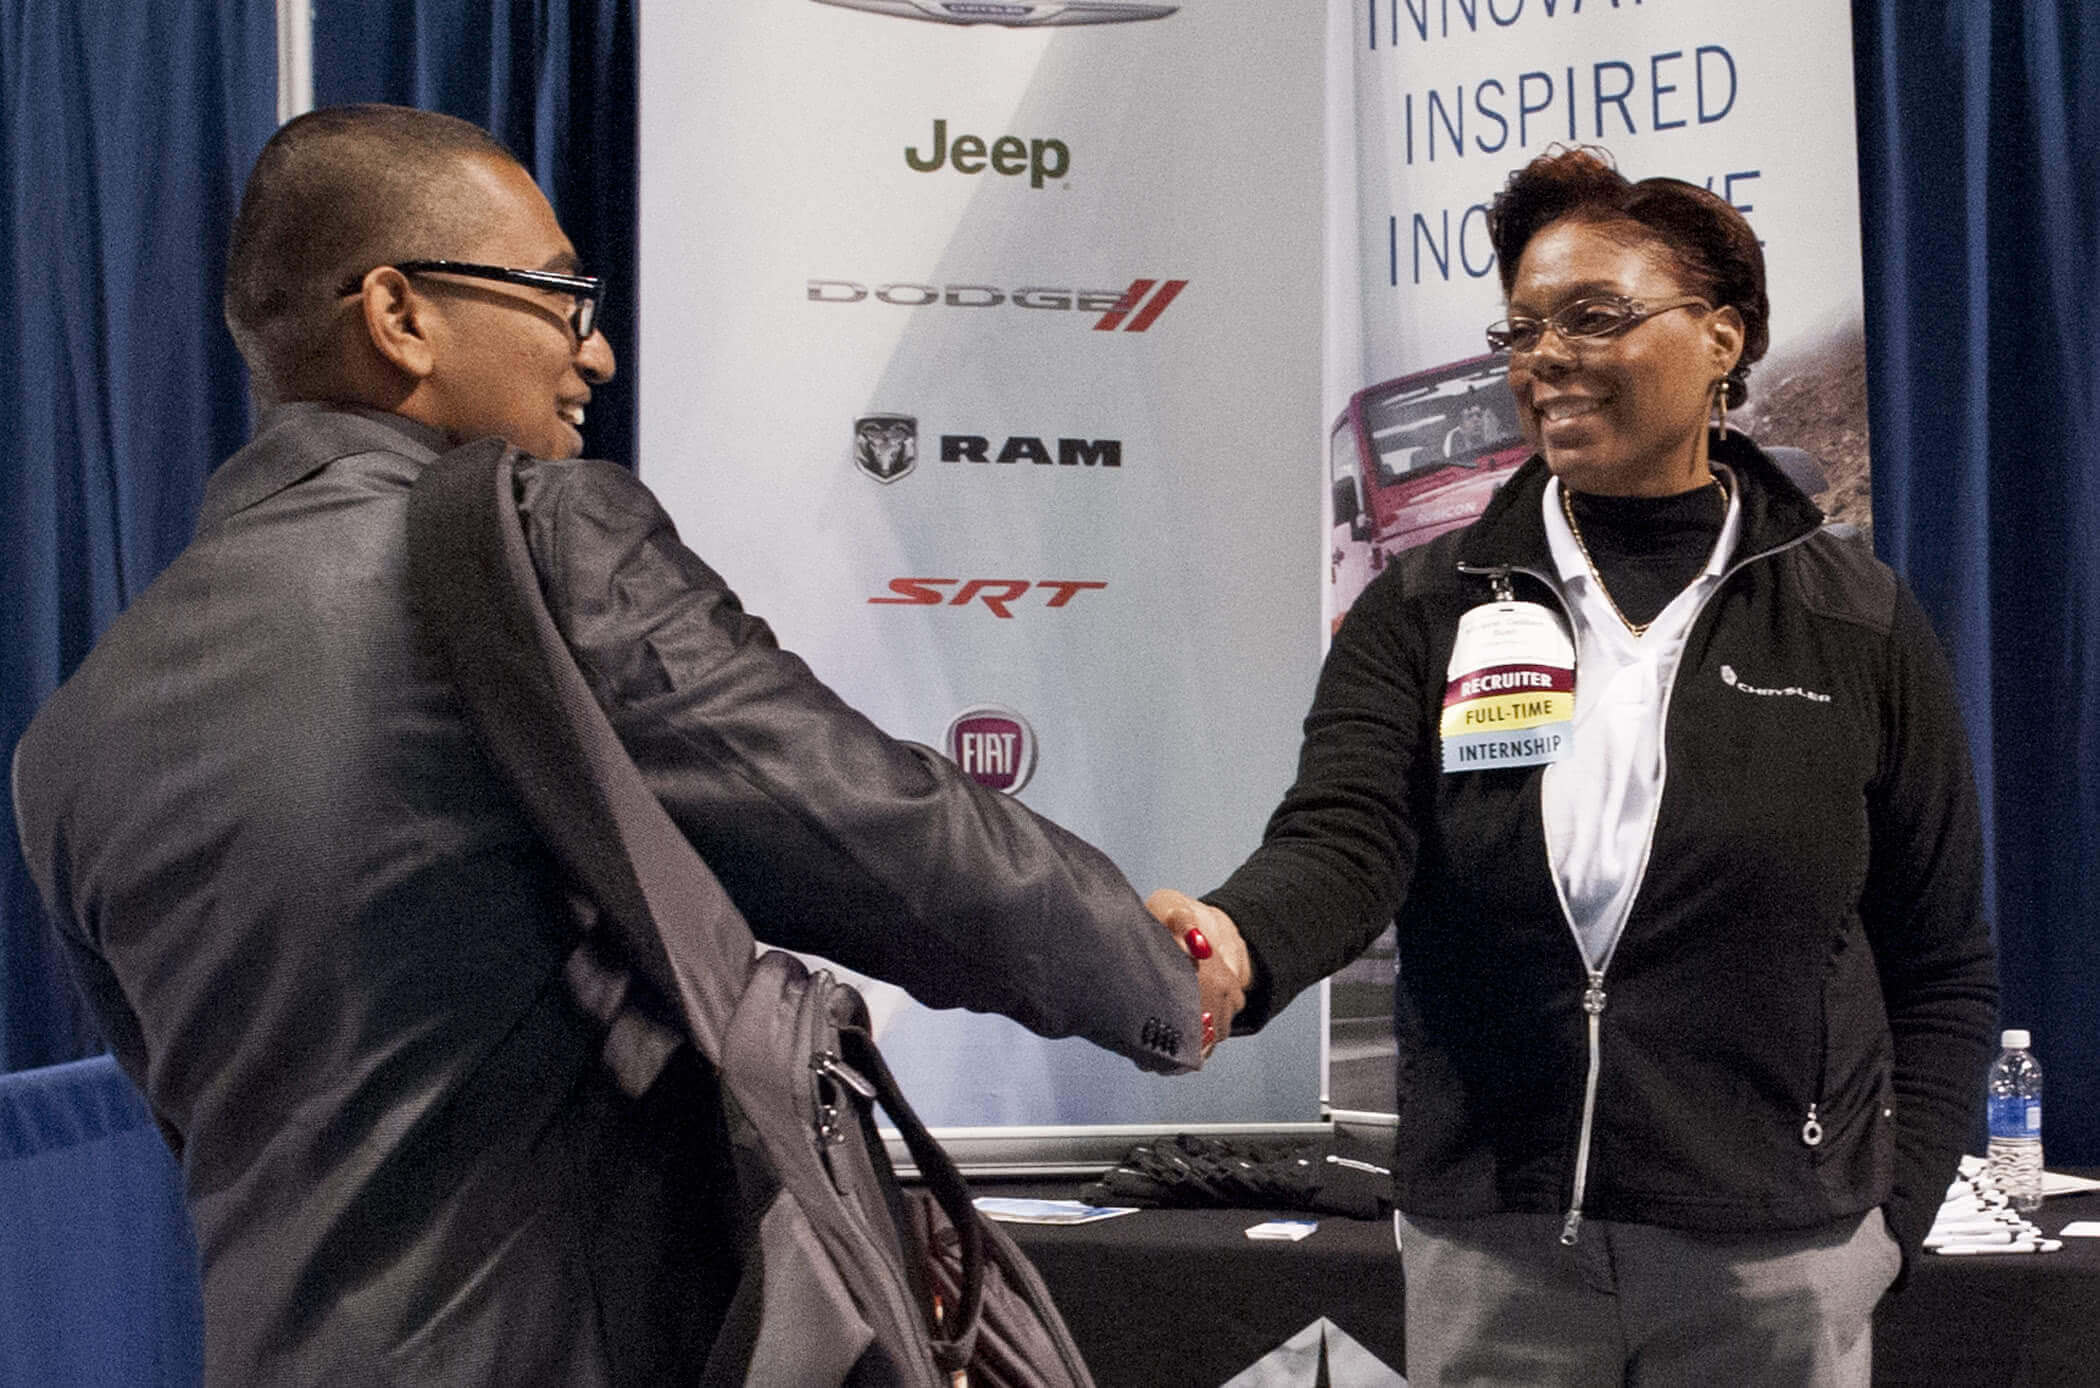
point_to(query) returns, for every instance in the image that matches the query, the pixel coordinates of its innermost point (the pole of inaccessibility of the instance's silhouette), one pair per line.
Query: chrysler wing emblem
(1012, 13)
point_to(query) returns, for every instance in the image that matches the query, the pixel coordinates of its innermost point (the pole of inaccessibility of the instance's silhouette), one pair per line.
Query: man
(1474, 431)
(318, 931)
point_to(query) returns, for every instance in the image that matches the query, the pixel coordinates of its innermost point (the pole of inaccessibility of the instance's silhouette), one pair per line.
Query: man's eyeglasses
(586, 290)
(1605, 315)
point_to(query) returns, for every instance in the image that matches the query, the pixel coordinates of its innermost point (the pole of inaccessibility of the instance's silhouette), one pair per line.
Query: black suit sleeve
(830, 835)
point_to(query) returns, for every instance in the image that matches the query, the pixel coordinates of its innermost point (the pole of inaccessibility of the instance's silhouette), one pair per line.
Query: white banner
(982, 358)
(1432, 104)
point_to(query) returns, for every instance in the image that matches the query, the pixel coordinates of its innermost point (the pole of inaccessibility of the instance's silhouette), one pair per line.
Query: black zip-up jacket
(1796, 1020)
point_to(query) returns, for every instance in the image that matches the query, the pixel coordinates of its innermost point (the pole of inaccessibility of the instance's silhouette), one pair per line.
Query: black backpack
(847, 1277)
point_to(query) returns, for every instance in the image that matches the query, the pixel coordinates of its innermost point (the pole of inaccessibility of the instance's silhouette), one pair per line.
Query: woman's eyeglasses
(1603, 315)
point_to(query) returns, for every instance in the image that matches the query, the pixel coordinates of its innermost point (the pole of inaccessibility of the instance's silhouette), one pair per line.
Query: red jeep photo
(1411, 458)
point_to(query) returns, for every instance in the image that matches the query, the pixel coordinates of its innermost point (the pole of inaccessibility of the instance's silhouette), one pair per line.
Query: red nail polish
(1198, 945)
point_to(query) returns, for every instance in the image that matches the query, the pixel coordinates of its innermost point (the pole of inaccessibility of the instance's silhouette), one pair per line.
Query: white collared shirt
(1600, 800)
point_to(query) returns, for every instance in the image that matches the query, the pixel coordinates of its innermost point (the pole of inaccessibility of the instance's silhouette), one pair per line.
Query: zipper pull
(1593, 996)
(1504, 590)
(1812, 1130)
(1571, 1229)
(827, 1065)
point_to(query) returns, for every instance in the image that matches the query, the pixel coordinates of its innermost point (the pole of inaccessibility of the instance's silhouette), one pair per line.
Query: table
(98, 1280)
(1123, 1287)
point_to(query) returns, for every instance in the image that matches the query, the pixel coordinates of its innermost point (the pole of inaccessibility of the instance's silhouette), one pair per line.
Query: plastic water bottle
(2015, 1159)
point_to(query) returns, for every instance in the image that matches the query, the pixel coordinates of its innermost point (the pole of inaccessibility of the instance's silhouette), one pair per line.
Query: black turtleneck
(1647, 548)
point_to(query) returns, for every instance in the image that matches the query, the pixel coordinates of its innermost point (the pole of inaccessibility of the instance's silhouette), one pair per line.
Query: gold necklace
(1567, 508)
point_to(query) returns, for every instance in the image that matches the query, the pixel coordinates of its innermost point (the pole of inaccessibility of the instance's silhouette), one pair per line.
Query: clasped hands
(1223, 971)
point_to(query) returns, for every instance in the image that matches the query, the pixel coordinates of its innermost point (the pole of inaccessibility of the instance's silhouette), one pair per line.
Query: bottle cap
(2015, 1040)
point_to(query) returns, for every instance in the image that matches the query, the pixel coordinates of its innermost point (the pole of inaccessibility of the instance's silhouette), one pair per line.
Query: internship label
(1510, 699)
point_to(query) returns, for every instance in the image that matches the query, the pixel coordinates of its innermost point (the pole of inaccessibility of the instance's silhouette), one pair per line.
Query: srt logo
(1130, 310)
(999, 594)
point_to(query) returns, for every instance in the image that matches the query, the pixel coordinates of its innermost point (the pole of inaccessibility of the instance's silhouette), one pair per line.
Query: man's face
(505, 360)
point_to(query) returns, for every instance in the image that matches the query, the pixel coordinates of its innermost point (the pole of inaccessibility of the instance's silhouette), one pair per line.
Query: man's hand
(1223, 971)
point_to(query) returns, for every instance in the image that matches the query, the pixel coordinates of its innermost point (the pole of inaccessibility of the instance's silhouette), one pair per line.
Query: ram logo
(1013, 14)
(885, 446)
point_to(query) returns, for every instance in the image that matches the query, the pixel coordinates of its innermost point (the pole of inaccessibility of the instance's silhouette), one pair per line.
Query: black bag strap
(476, 591)
(957, 1335)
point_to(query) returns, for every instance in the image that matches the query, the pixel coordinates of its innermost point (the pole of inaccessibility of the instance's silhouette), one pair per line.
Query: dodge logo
(1130, 310)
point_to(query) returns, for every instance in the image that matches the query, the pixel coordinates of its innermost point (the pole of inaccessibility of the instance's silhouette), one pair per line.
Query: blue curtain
(555, 81)
(128, 130)
(1980, 179)
(101, 1285)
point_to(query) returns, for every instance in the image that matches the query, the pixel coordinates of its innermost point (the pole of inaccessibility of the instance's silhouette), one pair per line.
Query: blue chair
(98, 1266)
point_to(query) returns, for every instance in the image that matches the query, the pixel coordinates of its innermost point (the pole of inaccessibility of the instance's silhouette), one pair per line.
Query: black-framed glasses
(588, 291)
(1601, 315)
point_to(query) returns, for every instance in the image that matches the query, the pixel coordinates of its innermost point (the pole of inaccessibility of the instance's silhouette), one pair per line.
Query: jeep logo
(1009, 155)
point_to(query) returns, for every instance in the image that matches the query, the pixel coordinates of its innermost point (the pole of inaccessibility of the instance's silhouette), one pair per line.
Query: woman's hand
(1223, 970)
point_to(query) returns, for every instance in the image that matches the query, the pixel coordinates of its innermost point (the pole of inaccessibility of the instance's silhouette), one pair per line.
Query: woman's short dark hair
(1713, 249)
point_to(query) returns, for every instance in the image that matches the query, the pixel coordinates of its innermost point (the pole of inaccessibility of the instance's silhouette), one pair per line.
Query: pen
(2023, 1246)
(1946, 1227)
(1970, 1235)
(1951, 1250)
(1355, 1165)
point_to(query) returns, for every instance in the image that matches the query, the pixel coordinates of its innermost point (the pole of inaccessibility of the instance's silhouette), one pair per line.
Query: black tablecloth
(2011, 1319)
(1167, 1298)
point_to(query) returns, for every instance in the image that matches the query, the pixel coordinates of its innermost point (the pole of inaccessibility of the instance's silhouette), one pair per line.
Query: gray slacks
(1499, 1300)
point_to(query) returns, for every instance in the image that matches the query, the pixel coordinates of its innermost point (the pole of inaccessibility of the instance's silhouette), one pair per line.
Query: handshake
(1224, 973)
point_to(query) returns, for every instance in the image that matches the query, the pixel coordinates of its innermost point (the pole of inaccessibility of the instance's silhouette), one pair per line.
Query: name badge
(1511, 696)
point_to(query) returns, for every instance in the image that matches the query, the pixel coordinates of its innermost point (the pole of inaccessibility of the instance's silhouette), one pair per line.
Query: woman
(1669, 794)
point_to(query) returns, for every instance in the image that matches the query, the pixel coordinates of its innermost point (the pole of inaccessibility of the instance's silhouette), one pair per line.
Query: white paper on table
(1292, 1229)
(1012, 1211)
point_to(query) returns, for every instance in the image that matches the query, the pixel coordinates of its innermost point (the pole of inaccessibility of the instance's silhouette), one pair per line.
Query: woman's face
(1623, 415)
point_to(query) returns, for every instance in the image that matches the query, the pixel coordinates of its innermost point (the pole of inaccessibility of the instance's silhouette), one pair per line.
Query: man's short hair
(334, 193)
